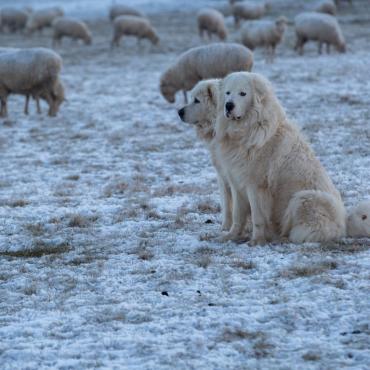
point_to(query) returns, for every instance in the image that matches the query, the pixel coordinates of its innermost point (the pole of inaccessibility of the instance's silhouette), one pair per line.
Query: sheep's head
(88, 39)
(281, 23)
(57, 98)
(342, 47)
(358, 220)
(167, 89)
(153, 37)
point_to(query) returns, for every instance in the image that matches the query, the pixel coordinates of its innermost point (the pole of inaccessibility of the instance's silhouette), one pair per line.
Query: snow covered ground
(108, 214)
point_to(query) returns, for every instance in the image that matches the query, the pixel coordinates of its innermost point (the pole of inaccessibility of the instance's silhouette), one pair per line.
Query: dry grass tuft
(309, 270)
(311, 356)
(40, 248)
(36, 229)
(18, 203)
(241, 264)
(73, 177)
(116, 188)
(81, 221)
(208, 207)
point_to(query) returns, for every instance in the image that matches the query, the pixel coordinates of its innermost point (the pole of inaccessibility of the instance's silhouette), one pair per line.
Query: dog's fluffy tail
(314, 216)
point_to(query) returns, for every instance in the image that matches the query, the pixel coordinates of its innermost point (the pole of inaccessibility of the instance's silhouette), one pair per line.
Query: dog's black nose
(181, 112)
(229, 106)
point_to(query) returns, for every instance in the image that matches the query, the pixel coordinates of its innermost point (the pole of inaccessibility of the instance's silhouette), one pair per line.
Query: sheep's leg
(38, 104)
(209, 34)
(328, 48)
(185, 97)
(273, 53)
(4, 109)
(26, 104)
(320, 47)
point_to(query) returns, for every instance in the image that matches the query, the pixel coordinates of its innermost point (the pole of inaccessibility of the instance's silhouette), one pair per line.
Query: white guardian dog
(201, 112)
(272, 165)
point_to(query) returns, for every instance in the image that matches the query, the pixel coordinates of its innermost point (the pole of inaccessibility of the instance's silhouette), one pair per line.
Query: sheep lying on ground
(211, 21)
(119, 9)
(13, 19)
(264, 33)
(320, 27)
(204, 62)
(31, 72)
(129, 25)
(326, 6)
(68, 27)
(247, 10)
(43, 18)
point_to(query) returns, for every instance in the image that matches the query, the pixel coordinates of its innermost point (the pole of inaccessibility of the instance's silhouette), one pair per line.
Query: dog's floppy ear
(212, 91)
(265, 115)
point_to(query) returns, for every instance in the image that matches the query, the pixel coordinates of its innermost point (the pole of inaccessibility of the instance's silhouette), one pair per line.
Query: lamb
(264, 33)
(130, 25)
(119, 9)
(326, 6)
(204, 62)
(69, 27)
(13, 19)
(320, 27)
(31, 72)
(43, 18)
(211, 21)
(247, 10)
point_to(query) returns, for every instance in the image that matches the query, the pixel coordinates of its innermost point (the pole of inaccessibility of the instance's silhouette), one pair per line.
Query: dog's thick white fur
(271, 164)
(202, 113)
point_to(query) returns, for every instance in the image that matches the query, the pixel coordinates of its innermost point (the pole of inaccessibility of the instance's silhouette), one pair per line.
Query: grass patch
(39, 248)
(309, 270)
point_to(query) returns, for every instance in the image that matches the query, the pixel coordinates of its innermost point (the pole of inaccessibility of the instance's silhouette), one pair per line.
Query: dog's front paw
(231, 237)
(226, 225)
(258, 241)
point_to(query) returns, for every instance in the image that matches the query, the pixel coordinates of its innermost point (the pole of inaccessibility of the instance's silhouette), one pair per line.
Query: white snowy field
(108, 215)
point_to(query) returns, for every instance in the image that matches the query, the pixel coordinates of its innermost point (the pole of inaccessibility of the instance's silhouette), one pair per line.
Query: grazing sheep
(320, 27)
(247, 10)
(130, 25)
(211, 21)
(31, 72)
(119, 9)
(68, 27)
(43, 18)
(204, 62)
(13, 19)
(326, 6)
(264, 33)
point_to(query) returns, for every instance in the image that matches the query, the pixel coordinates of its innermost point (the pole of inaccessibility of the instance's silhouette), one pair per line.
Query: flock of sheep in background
(16, 66)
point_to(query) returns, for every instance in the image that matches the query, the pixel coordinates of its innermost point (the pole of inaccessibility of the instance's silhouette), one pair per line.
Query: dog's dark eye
(243, 93)
(227, 92)
(196, 101)
(364, 217)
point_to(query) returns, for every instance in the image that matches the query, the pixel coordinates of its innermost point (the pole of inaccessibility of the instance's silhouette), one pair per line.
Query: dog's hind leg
(314, 216)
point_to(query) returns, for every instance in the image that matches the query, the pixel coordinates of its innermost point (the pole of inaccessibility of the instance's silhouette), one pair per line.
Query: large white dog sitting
(271, 164)
(202, 112)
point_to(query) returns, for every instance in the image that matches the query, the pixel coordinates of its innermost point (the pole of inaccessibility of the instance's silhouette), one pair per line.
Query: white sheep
(326, 6)
(130, 25)
(264, 33)
(211, 21)
(320, 27)
(204, 62)
(43, 18)
(118, 9)
(31, 72)
(69, 27)
(358, 220)
(247, 10)
(13, 19)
